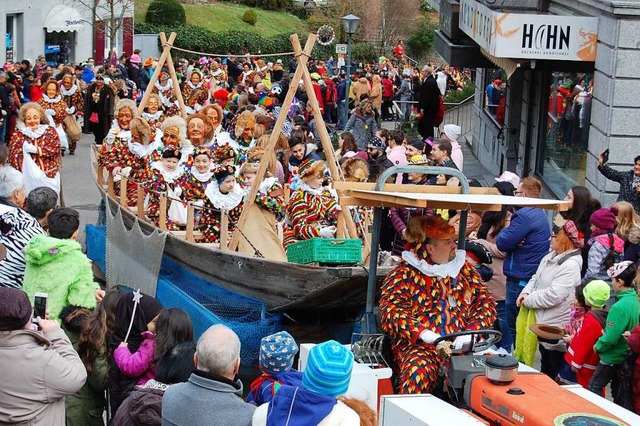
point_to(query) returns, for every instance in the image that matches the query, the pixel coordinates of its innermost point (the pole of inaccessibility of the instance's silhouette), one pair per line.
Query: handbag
(72, 128)
(93, 118)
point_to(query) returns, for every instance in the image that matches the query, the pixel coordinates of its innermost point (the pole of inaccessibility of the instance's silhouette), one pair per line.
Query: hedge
(166, 12)
(234, 42)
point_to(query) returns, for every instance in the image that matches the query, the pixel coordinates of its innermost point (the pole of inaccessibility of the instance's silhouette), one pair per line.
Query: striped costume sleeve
(299, 215)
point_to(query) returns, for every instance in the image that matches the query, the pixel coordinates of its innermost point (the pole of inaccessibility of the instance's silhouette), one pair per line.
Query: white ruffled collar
(450, 269)
(33, 134)
(216, 72)
(152, 117)
(267, 184)
(169, 176)
(202, 177)
(194, 86)
(310, 190)
(69, 92)
(50, 100)
(224, 201)
(167, 86)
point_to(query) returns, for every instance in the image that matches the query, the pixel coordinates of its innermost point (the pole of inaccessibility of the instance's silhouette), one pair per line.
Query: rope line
(227, 55)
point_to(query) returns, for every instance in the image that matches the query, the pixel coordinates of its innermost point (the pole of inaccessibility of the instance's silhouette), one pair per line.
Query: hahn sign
(526, 36)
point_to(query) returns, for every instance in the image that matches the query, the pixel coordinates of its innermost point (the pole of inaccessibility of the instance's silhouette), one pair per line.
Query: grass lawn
(222, 16)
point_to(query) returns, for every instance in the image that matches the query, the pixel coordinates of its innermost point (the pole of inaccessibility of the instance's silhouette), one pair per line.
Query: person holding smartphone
(629, 180)
(39, 368)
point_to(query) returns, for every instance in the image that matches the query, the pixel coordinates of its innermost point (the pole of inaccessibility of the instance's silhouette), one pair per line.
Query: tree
(166, 12)
(112, 12)
(398, 22)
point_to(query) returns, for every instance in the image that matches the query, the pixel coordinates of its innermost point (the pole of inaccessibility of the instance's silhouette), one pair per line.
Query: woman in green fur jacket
(56, 265)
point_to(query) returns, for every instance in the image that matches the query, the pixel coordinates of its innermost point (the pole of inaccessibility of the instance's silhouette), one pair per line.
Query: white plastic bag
(177, 210)
(35, 177)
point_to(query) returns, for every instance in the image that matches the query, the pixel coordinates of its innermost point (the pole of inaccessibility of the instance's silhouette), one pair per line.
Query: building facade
(557, 84)
(63, 30)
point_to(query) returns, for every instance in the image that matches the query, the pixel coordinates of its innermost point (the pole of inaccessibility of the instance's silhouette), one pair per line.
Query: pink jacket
(398, 157)
(138, 364)
(457, 155)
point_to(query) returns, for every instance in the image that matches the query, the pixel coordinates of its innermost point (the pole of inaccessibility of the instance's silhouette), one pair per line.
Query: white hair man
(212, 396)
(18, 227)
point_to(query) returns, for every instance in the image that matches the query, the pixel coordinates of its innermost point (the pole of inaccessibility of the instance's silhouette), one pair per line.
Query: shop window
(563, 155)
(495, 92)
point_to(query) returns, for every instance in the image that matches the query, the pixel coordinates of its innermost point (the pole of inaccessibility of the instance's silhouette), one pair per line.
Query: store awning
(507, 65)
(63, 18)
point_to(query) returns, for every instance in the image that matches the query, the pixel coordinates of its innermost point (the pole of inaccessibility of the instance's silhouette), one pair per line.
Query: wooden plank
(190, 222)
(166, 52)
(275, 133)
(140, 196)
(123, 190)
(224, 228)
(340, 226)
(110, 185)
(174, 78)
(429, 189)
(162, 221)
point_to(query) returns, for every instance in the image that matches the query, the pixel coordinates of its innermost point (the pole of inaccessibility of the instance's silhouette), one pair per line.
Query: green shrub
(250, 17)
(166, 12)
(421, 40)
(364, 52)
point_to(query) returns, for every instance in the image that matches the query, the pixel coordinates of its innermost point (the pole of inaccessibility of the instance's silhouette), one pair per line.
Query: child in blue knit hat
(276, 361)
(314, 402)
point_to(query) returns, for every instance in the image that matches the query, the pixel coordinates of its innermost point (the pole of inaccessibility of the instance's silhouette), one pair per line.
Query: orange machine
(533, 399)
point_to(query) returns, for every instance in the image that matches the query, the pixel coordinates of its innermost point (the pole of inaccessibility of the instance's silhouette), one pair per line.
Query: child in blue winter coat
(277, 352)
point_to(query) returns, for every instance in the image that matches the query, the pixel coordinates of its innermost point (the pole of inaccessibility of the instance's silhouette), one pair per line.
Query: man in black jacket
(4, 107)
(428, 102)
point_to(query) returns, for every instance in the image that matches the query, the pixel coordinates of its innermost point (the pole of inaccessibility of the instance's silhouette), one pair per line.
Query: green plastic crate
(326, 251)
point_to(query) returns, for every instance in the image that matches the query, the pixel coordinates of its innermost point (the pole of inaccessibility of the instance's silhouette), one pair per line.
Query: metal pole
(347, 88)
(369, 326)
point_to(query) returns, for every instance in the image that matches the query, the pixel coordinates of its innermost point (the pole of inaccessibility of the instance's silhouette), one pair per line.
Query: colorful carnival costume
(74, 100)
(217, 203)
(218, 76)
(43, 146)
(155, 122)
(164, 181)
(195, 94)
(420, 298)
(310, 210)
(56, 111)
(164, 89)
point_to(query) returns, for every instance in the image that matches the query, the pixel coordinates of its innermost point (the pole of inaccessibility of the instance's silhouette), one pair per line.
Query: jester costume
(218, 76)
(193, 184)
(163, 181)
(155, 122)
(45, 139)
(307, 212)
(75, 103)
(169, 101)
(217, 203)
(56, 110)
(133, 160)
(418, 295)
(195, 96)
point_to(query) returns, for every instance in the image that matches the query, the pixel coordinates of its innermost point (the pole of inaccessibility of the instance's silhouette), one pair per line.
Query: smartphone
(39, 306)
(605, 156)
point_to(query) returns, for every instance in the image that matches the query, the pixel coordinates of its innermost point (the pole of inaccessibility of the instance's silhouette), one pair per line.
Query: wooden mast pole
(302, 58)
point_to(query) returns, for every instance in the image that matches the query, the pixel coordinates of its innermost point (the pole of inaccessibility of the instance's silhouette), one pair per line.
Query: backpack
(439, 117)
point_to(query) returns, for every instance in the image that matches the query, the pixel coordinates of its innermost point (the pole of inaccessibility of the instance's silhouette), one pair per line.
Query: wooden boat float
(280, 285)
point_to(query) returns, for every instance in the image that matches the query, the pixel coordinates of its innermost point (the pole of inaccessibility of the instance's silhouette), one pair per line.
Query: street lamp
(350, 26)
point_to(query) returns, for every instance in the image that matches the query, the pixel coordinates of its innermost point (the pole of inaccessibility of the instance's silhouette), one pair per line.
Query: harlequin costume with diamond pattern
(159, 184)
(412, 301)
(46, 139)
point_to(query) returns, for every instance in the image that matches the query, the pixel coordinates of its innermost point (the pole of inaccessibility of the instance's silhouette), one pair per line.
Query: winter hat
(576, 237)
(417, 144)
(15, 309)
(596, 293)
(377, 143)
(277, 352)
(224, 172)
(148, 62)
(328, 370)
(618, 268)
(452, 131)
(603, 219)
(315, 76)
(135, 58)
(510, 177)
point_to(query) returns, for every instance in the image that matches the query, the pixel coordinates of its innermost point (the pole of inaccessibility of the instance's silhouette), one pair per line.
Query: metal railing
(460, 113)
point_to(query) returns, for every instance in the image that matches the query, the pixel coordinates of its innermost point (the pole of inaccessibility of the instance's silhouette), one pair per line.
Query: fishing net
(206, 303)
(132, 258)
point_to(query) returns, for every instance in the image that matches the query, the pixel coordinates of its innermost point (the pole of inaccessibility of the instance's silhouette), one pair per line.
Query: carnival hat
(223, 172)
(547, 333)
(618, 268)
(328, 370)
(277, 352)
